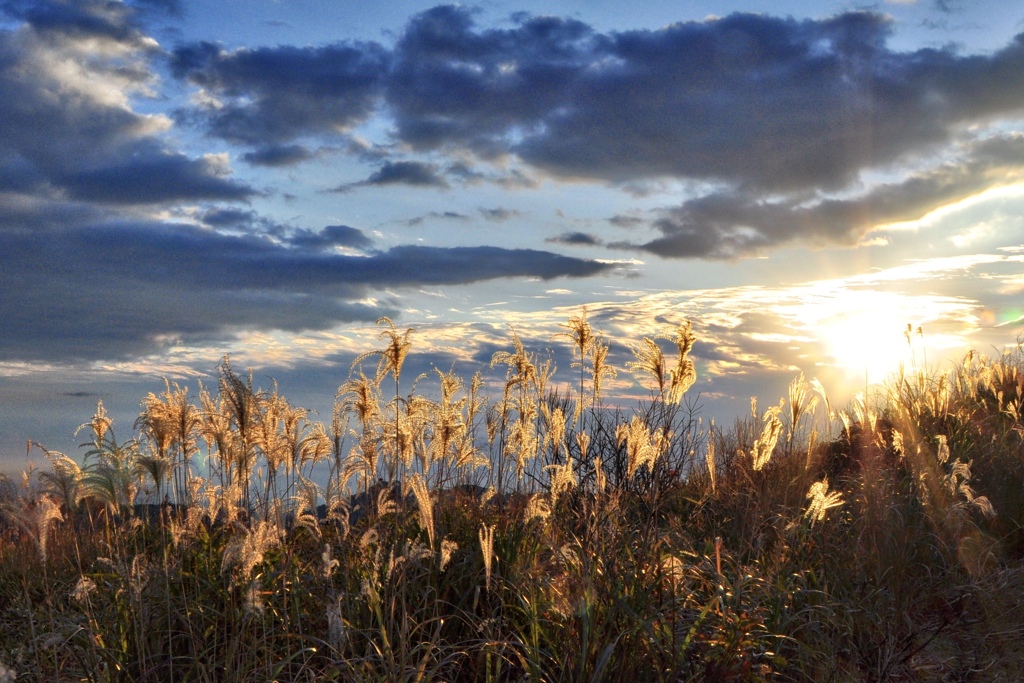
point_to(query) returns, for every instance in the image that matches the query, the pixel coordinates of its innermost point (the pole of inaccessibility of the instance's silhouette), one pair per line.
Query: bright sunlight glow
(867, 345)
(863, 334)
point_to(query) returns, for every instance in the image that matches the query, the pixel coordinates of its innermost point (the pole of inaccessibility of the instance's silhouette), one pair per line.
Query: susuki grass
(538, 534)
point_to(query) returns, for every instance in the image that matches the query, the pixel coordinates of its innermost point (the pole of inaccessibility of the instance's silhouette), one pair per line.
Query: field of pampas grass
(532, 535)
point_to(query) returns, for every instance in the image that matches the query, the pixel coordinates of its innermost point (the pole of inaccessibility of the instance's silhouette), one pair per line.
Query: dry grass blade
(764, 446)
(487, 550)
(642, 447)
(34, 518)
(709, 458)
(821, 501)
(562, 479)
(650, 361)
(425, 505)
(600, 369)
(247, 549)
(684, 374)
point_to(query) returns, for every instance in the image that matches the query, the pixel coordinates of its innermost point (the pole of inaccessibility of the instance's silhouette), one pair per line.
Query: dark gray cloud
(331, 236)
(45, 213)
(125, 289)
(279, 155)
(366, 151)
(463, 265)
(412, 173)
(777, 113)
(273, 95)
(454, 85)
(733, 224)
(498, 214)
(750, 99)
(159, 176)
(623, 221)
(231, 219)
(466, 173)
(575, 239)
(407, 173)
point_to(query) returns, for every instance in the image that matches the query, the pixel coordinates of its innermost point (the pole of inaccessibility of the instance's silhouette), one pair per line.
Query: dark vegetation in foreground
(536, 536)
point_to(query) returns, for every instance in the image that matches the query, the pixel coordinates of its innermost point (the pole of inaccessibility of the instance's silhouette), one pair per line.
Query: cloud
(624, 221)
(575, 239)
(233, 220)
(130, 289)
(761, 103)
(733, 224)
(466, 173)
(160, 176)
(756, 339)
(229, 217)
(20, 211)
(498, 214)
(451, 85)
(87, 19)
(70, 132)
(776, 114)
(331, 236)
(274, 95)
(279, 155)
(511, 179)
(412, 173)
(437, 215)
(407, 173)
(463, 265)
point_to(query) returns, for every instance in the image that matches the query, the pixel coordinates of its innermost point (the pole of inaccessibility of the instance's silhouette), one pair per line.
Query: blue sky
(185, 180)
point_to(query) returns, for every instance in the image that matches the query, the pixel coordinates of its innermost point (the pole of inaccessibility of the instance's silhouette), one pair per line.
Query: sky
(181, 181)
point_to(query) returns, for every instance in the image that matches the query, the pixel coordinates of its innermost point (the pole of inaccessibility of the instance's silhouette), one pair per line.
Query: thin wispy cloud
(437, 215)
(499, 214)
(411, 173)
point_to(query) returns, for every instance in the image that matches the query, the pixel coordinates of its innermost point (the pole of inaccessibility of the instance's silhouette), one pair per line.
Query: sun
(863, 334)
(869, 335)
(867, 345)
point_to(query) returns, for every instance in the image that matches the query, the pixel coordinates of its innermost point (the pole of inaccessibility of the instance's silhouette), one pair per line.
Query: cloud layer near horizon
(107, 291)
